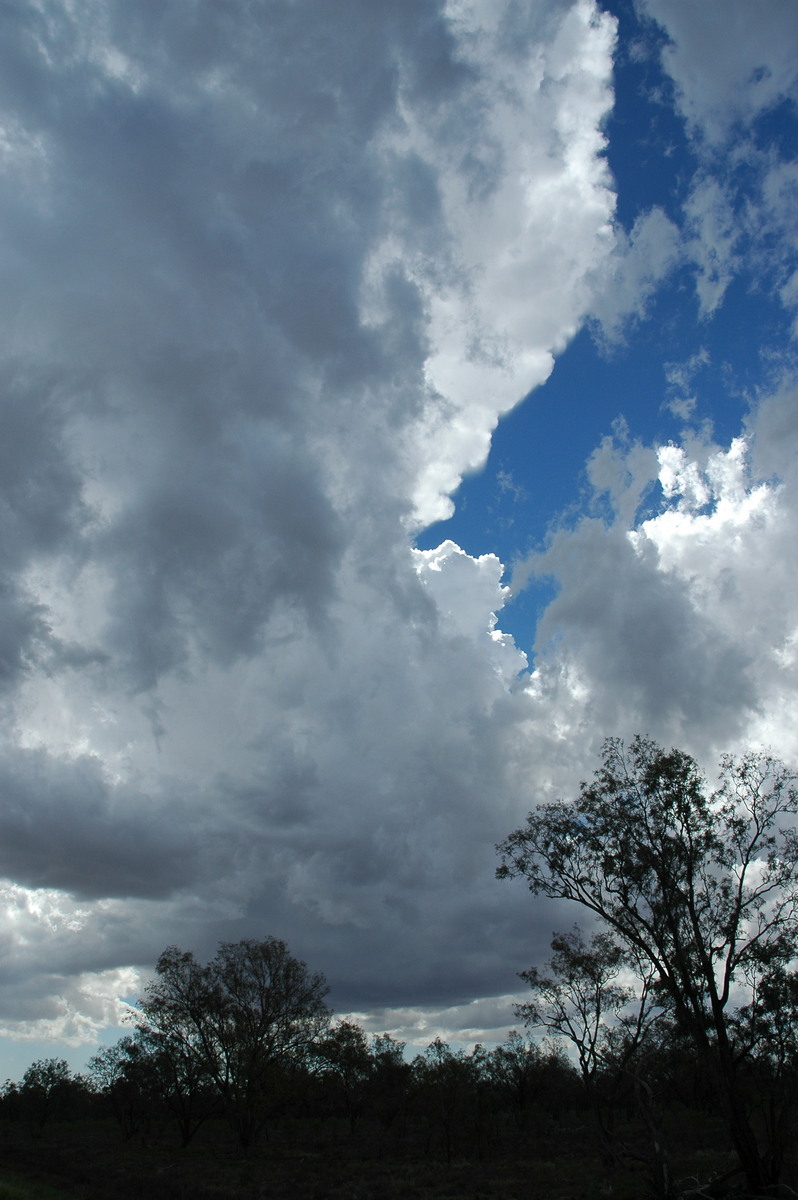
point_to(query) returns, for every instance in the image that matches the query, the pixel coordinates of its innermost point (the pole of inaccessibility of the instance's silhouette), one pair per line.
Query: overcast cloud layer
(271, 275)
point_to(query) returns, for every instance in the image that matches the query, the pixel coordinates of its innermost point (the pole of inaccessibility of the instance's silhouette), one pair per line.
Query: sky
(397, 400)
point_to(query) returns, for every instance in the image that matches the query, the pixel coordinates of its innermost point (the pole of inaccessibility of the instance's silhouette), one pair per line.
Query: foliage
(49, 1090)
(700, 888)
(125, 1076)
(179, 1077)
(343, 1057)
(516, 1070)
(389, 1080)
(234, 1021)
(446, 1089)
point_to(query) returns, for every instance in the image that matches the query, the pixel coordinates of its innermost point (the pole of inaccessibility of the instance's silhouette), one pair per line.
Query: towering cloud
(271, 275)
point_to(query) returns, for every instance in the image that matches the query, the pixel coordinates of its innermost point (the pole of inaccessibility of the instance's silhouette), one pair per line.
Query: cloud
(681, 383)
(271, 275)
(713, 238)
(640, 263)
(480, 1021)
(730, 61)
(506, 207)
(675, 612)
(732, 67)
(64, 825)
(464, 589)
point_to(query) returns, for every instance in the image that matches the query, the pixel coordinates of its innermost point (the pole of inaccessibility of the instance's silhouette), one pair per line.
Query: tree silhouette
(700, 886)
(238, 1018)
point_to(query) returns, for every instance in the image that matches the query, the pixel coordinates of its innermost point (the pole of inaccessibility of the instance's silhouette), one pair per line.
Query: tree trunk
(761, 1169)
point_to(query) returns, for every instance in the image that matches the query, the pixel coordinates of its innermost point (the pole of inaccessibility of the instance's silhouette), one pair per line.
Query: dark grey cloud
(63, 825)
(189, 258)
(271, 274)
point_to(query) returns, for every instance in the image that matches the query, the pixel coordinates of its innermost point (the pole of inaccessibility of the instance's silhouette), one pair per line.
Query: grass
(120, 1172)
(14, 1187)
(308, 1161)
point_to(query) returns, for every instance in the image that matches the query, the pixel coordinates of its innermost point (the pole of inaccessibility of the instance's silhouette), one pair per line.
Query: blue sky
(397, 400)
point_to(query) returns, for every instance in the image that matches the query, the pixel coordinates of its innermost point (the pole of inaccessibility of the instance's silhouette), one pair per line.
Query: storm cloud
(272, 273)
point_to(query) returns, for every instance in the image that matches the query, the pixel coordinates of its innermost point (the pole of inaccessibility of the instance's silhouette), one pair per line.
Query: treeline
(248, 1039)
(679, 1009)
(444, 1102)
(247, 1043)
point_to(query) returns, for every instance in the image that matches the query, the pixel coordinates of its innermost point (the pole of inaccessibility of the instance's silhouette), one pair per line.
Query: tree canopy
(699, 886)
(234, 1020)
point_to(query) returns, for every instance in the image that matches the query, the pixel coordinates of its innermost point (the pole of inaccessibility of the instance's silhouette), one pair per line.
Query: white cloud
(640, 263)
(526, 220)
(679, 621)
(681, 378)
(779, 212)
(468, 594)
(732, 63)
(713, 235)
(481, 1021)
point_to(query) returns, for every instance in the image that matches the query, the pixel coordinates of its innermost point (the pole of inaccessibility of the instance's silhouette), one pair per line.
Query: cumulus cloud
(271, 275)
(675, 613)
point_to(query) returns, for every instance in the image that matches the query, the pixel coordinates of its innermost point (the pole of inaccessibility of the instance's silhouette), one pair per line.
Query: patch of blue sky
(676, 371)
(648, 151)
(675, 374)
(776, 129)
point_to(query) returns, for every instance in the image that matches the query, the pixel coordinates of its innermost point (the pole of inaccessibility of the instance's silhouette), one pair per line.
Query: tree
(767, 1031)
(578, 996)
(389, 1081)
(47, 1086)
(125, 1074)
(180, 1077)
(345, 1060)
(573, 997)
(446, 1086)
(700, 886)
(580, 990)
(239, 1018)
(516, 1070)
